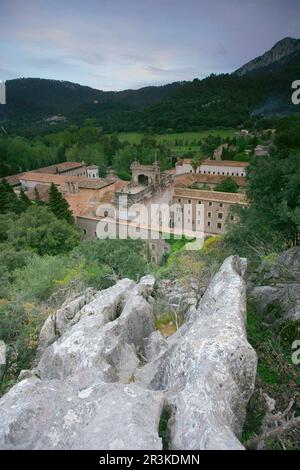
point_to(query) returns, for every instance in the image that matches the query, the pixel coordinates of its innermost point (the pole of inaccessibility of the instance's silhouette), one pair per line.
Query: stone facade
(92, 171)
(216, 207)
(145, 174)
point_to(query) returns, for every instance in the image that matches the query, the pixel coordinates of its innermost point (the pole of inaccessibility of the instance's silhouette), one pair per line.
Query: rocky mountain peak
(279, 52)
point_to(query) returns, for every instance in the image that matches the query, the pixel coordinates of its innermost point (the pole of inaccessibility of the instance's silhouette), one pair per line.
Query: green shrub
(20, 324)
(276, 374)
(38, 279)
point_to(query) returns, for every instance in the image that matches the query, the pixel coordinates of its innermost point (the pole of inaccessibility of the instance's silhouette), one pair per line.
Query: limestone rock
(275, 287)
(280, 301)
(70, 313)
(109, 336)
(80, 412)
(92, 389)
(56, 324)
(155, 344)
(208, 371)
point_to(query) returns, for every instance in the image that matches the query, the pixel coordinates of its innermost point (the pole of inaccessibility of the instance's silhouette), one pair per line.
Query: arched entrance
(143, 180)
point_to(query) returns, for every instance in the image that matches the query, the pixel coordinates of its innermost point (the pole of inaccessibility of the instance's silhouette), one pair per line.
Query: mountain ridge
(278, 53)
(225, 100)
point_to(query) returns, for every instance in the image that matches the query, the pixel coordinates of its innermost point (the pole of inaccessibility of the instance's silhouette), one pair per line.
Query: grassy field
(180, 143)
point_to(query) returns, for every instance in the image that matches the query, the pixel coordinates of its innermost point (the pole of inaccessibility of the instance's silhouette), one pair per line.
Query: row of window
(209, 214)
(199, 202)
(209, 223)
(223, 173)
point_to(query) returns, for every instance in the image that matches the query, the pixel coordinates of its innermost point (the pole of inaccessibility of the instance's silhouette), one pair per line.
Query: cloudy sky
(118, 44)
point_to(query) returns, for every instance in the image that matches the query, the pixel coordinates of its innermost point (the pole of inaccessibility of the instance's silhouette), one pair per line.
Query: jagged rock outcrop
(208, 371)
(57, 323)
(2, 358)
(107, 377)
(174, 296)
(275, 286)
(101, 339)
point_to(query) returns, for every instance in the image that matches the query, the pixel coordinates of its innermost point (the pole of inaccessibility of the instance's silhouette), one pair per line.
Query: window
(221, 204)
(153, 247)
(208, 224)
(199, 202)
(179, 200)
(220, 215)
(210, 204)
(219, 225)
(105, 214)
(84, 231)
(231, 217)
(189, 201)
(209, 214)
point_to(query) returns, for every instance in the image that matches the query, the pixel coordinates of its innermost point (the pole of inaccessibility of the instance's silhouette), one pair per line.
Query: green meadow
(181, 143)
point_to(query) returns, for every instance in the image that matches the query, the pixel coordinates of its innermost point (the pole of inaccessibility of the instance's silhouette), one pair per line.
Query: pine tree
(24, 201)
(8, 198)
(37, 197)
(59, 206)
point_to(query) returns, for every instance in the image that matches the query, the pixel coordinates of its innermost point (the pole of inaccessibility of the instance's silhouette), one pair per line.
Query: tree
(37, 197)
(272, 220)
(126, 258)
(228, 185)
(38, 229)
(24, 201)
(196, 162)
(59, 206)
(8, 199)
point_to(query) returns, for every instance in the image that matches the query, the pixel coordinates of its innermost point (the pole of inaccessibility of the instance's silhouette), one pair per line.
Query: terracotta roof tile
(60, 167)
(188, 161)
(232, 198)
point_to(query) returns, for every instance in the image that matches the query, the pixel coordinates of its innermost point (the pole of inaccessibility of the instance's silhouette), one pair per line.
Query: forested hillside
(225, 100)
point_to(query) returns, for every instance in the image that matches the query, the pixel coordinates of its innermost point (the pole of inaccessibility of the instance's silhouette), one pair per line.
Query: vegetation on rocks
(277, 377)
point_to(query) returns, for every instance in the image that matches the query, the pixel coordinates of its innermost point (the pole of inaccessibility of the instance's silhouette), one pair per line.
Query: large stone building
(119, 204)
(66, 168)
(216, 207)
(223, 168)
(79, 169)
